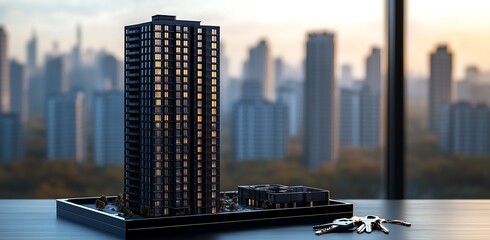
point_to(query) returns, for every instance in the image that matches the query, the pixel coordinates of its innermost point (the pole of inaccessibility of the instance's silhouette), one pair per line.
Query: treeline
(58, 179)
(357, 174)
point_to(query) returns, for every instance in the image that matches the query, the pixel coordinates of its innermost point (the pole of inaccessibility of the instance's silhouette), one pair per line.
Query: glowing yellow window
(158, 102)
(158, 117)
(199, 96)
(214, 74)
(213, 60)
(199, 73)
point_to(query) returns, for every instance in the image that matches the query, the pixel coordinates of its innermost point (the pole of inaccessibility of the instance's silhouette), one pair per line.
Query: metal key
(381, 227)
(355, 219)
(338, 224)
(368, 222)
(399, 222)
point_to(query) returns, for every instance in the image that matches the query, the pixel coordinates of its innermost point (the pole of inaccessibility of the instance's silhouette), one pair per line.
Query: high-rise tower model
(440, 85)
(321, 132)
(172, 128)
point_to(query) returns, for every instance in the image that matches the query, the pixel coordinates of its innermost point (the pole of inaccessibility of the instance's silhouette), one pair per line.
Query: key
(380, 226)
(368, 222)
(399, 222)
(354, 219)
(338, 224)
(361, 228)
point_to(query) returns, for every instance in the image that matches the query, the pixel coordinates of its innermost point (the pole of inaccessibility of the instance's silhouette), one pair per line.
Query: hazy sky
(358, 25)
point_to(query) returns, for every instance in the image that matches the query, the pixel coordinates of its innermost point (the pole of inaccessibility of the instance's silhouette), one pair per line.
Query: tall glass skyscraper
(172, 128)
(321, 117)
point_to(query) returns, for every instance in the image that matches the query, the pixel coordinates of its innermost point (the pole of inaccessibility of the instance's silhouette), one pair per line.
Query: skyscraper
(258, 67)
(371, 101)
(440, 85)
(346, 79)
(108, 127)
(259, 126)
(36, 86)
(54, 78)
(465, 129)
(373, 70)
(65, 126)
(172, 128)
(350, 117)
(18, 90)
(321, 132)
(4, 72)
(32, 54)
(290, 94)
(10, 137)
(278, 71)
(110, 71)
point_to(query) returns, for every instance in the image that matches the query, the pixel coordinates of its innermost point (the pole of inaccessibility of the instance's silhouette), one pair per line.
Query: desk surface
(431, 219)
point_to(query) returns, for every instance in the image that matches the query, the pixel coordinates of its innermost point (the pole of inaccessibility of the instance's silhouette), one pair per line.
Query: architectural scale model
(172, 146)
(172, 126)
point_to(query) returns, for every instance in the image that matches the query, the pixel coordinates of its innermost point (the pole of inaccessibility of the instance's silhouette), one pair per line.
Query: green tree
(99, 204)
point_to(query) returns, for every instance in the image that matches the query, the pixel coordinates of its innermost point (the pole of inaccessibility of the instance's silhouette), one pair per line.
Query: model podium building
(172, 123)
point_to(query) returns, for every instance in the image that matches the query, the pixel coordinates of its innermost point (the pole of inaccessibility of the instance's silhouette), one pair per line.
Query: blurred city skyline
(285, 26)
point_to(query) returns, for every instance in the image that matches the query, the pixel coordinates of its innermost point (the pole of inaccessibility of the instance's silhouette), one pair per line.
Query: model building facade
(172, 116)
(281, 196)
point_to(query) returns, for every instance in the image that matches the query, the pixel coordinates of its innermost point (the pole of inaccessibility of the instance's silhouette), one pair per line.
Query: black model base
(76, 209)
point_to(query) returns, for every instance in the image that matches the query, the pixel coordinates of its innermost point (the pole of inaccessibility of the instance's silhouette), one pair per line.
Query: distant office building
(110, 71)
(290, 94)
(55, 80)
(440, 85)
(19, 90)
(370, 118)
(172, 120)
(4, 72)
(321, 127)
(278, 71)
(10, 138)
(373, 70)
(346, 79)
(32, 54)
(108, 128)
(465, 129)
(258, 67)
(259, 126)
(360, 108)
(466, 89)
(232, 94)
(350, 117)
(65, 128)
(36, 86)
(371, 101)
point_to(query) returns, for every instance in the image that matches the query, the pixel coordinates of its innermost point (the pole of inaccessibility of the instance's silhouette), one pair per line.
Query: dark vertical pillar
(395, 134)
